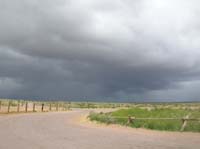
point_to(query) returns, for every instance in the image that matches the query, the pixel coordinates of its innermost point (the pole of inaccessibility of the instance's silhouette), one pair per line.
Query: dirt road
(65, 131)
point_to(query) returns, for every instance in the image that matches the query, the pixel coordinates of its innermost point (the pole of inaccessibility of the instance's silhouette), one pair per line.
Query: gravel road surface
(68, 130)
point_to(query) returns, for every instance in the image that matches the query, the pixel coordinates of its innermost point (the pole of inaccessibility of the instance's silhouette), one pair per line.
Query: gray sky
(135, 50)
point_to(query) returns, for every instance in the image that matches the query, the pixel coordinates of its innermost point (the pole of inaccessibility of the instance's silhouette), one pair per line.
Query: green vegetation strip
(157, 119)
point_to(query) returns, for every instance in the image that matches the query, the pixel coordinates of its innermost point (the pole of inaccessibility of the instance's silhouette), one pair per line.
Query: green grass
(169, 125)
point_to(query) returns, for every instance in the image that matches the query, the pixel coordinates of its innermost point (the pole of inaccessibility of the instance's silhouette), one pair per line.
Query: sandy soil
(70, 130)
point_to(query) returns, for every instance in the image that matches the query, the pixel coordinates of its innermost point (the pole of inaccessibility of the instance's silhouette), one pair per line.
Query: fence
(11, 106)
(15, 106)
(130, 120)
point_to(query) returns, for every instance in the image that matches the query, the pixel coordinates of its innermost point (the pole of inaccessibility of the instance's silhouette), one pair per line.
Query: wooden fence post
(63, 107)
(184, 120)
(0, 105)
(26, 107)
(50, 107)
(34, 107)
(130, 120)
(69, 105)
(9, 103)
(18, 105)
(42, 107)
(57, 107)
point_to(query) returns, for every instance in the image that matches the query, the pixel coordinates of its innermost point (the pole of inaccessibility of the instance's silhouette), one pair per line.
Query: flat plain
(72, 130)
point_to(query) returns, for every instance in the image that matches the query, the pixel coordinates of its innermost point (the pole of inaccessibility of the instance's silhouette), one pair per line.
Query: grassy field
(121, 116)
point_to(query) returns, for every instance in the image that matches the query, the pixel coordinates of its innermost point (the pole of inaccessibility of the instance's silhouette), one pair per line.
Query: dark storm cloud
(99, 49)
